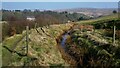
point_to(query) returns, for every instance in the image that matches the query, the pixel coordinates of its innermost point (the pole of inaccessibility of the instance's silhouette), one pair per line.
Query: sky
(60, 0)
(56, 5)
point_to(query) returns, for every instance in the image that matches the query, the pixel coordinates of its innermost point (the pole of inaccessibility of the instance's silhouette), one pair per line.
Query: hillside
(95, 12)
(105, 24)
(105, 18)
(42, 47)
(65, 45)
(90, 43)
(92, 49)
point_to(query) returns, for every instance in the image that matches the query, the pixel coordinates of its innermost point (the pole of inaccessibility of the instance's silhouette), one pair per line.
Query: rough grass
(42, 48)
(95, 48)
(45, 44)
(9, 43)
(110, 17)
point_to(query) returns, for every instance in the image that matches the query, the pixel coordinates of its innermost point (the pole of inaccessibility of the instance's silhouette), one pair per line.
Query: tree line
(16, 19)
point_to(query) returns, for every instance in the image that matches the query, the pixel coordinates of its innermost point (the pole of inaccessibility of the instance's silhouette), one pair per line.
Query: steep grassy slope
(105, 24)
(92, 49)
(42, 48)
(106, 18)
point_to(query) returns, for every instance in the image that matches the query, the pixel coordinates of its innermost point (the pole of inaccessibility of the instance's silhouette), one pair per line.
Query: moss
(6, 57)
(56, 66)
(16, 58)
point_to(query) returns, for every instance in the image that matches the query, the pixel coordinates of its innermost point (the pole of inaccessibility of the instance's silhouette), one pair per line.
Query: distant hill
(94, 12)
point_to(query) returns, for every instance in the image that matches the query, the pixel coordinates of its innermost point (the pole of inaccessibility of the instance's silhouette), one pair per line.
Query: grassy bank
(42, 48)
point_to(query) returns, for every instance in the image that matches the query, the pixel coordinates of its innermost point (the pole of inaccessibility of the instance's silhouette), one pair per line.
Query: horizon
(57, 5)
(55, 9)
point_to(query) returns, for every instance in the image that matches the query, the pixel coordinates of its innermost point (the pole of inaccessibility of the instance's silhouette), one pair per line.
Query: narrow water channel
(64, 38)
(62, 43)
(65, 49)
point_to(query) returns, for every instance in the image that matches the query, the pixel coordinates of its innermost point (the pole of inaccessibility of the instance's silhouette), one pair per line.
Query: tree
(114, 11)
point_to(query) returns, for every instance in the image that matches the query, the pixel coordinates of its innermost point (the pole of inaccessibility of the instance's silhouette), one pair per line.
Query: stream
(69, 55)
(62, 42)
(64, 38)
(62, 47)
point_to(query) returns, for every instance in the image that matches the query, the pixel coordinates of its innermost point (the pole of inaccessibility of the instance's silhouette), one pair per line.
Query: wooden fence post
(114, 35)
(27, 38)
(35, 26)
